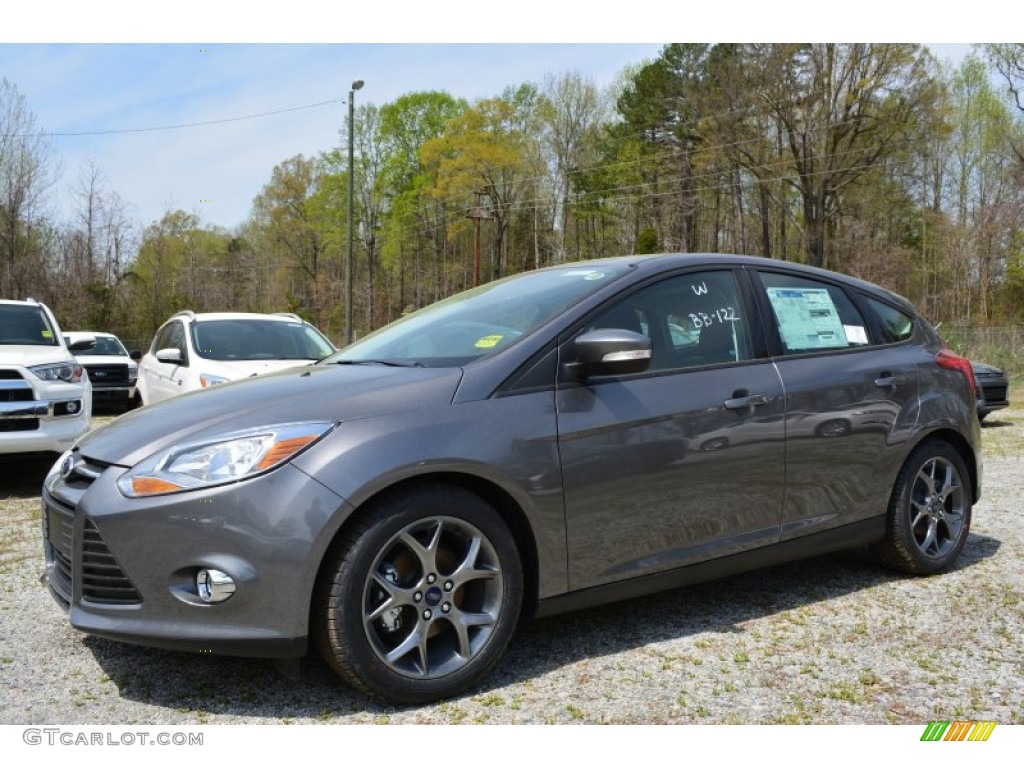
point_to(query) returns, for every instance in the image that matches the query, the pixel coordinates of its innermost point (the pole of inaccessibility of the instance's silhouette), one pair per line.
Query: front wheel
(929, 512)
(420, 598)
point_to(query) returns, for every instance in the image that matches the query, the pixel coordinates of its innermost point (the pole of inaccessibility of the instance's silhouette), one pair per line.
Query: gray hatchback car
(562, 438)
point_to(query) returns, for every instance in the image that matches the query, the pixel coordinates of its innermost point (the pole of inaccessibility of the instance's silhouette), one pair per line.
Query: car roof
(658, 262)
(26, 303)
(201, 316)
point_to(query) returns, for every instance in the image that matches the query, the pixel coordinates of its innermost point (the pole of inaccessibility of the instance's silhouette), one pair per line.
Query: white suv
(45, 395)
(193, 351)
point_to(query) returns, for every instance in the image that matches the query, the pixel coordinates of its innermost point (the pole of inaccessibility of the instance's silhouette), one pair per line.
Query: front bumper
(993, 394)
(51, 422)
(125, 569)
(116, 393)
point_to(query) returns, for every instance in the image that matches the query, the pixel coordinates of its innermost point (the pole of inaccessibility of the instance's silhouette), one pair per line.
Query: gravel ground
(828, 641)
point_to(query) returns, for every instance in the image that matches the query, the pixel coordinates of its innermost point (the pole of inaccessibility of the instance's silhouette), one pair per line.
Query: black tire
(929, 515)
(420, 597)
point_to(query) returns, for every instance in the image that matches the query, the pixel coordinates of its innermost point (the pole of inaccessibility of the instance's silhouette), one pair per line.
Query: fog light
(214, 586)
(72, 407)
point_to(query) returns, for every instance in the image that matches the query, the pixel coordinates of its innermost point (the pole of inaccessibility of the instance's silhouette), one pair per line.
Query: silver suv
(45, 394)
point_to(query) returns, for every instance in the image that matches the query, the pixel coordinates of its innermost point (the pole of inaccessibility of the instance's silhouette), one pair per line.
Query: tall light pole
(356, 85)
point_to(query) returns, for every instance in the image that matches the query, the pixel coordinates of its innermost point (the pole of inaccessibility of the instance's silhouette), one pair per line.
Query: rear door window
(812, 315)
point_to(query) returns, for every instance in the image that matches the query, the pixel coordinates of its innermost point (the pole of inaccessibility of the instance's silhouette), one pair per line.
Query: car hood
(240, 369)
(106, 360)
(32, 354)
(319, 393)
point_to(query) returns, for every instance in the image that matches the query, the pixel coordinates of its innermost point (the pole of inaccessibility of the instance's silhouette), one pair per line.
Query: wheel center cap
(433, 596)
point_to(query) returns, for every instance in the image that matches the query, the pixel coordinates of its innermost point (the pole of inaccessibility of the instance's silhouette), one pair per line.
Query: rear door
(851, 401)
(681, 463)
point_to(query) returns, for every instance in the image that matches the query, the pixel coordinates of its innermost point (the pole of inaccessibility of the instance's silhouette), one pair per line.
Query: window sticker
(487, 342)
(47, 334)
(808, 318)
(855, 334)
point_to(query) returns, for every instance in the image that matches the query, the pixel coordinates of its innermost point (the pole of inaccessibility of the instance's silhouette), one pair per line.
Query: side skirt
(835, 540)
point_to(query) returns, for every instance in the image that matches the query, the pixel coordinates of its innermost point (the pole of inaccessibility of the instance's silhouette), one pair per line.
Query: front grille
(7, 373)
(995, 393)
(103, 581)
(106, 375)
(60, 523)
(18, 425)
(19, 395)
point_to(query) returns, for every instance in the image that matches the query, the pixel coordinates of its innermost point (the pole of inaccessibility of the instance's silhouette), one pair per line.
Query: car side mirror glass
(169, 355)
(611, 352)
(82, 343)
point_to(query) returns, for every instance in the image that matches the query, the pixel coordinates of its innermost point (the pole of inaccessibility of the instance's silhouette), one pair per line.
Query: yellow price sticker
(47, 334)
(487, 342)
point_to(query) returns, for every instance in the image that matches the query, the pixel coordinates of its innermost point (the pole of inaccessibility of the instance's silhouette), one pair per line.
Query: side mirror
(169, 355)
(611, 352)
(78, 343)
(135, 355)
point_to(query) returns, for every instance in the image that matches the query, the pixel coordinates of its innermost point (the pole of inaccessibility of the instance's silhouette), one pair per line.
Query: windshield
(105, 345)
(252, 339)
(479, 321)
(25, 324)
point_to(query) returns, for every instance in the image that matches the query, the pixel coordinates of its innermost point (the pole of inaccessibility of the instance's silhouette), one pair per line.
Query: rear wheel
(929, 512)
(421, 597)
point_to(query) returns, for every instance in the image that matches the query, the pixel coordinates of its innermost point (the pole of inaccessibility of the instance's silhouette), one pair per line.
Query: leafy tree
(842, 110)
(484, 150)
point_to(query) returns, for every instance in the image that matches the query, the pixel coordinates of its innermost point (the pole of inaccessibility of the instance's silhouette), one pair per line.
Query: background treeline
(870, 159)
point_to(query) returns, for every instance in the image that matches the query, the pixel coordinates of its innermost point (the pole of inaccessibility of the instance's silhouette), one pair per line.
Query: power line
(188, 125)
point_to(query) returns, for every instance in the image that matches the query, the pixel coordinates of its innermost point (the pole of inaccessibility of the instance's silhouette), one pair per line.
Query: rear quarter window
(894, 325)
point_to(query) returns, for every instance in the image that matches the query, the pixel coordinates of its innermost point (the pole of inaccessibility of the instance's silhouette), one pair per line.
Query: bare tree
(572, 114)
(27, 170)
(842, 110)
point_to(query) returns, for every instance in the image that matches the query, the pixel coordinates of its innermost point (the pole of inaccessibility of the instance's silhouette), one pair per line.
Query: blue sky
(100, 79)
(105, 87)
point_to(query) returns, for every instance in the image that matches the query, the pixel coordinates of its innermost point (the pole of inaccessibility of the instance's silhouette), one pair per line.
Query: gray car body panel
(621, 483)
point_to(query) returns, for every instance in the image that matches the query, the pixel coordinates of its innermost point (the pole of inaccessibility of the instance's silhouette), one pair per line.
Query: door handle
(748, 401)
(888, 380)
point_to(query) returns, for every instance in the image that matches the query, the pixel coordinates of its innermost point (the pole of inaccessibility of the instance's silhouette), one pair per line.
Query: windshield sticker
(487, 342)
(808, 318)
(47, 334)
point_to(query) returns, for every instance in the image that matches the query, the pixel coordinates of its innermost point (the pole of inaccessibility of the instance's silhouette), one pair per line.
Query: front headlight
(221, 460)
(69, 372)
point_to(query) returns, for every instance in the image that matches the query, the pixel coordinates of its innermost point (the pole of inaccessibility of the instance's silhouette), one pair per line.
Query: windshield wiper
(390, 363)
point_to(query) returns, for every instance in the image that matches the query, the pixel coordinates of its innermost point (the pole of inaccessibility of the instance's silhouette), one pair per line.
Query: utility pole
(477, 217)
(351, 217)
